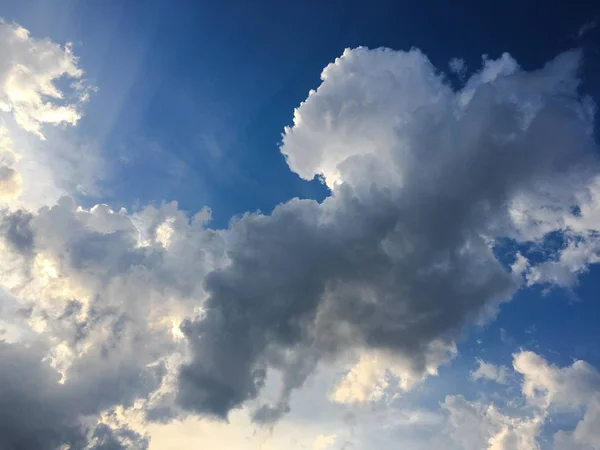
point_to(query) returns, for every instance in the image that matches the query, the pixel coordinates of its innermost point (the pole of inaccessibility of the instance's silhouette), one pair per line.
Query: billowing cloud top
(157, 313)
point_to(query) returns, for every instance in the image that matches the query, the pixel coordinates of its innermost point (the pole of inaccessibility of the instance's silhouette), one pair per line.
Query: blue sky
(207, 104)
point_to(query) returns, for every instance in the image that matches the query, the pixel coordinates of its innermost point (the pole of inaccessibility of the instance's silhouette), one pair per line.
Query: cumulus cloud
(42, 90)
(488, 371)
(377, 371)
(546, 389)
(424, 180)
(510, 422)
(547, 385)
(479, 426)
(157, 312)
(29, 70)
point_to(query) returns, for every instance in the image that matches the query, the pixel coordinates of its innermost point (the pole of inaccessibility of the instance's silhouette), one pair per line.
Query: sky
(311, 225)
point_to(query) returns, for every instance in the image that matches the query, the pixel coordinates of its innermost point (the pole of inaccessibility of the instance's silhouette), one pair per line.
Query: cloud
(546, 389)
(424, 180)
(40, 413)
(156, 312)
(511, 422)
(488, 371)
(29, 70)
(587, 27)
(547, 385)
(479, 426)
(42, 90)
(375, 372)
(10, 182)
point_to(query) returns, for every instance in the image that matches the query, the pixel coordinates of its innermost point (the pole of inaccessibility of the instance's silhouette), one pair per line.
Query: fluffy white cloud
(377, 371)
(488, 371)
(546, 389)
(547, 385)
(29, 70)
(424, 180)
(582, 241)
(42, 90)
(479, 426)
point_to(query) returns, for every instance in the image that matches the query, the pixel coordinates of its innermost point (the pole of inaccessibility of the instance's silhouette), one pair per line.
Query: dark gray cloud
(16, 230)
(107, 438)
(38, 413)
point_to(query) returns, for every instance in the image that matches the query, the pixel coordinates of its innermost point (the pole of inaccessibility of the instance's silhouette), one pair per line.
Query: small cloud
(587, 27)
(30, 71)
(458, 66)
(531, 329)
(520, 265)
(488, 371)
(504, 336)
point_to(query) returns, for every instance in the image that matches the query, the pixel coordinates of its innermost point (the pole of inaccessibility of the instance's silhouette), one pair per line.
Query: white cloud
(377, 371)
(29, 70)
(546, 389)
(546, 385)
(488, 371)
(42, 90)
(478, 426)
(582, 241)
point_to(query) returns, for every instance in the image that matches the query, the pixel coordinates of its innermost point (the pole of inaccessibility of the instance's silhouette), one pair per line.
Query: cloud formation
(488, 371)
(29, 70)
(400, 257)
(42, 91)
(156, 312)
(545, 390)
